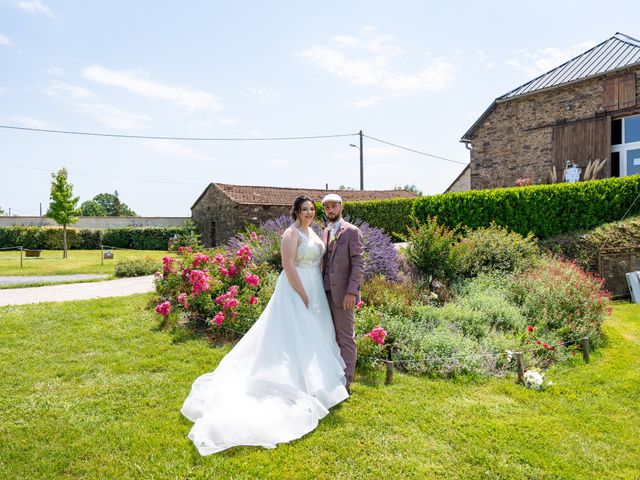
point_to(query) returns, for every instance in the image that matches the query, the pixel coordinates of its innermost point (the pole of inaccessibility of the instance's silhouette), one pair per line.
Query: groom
(342, 277)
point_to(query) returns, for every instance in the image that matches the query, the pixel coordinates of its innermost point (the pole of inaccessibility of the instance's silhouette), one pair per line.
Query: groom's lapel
(339, 234)
(325, 237)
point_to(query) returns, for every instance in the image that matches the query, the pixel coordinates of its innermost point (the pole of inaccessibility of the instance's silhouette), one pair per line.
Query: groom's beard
(333, 218)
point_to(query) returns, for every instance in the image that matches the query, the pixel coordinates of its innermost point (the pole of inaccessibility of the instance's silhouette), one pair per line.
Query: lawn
(51, 262)
(93, 389)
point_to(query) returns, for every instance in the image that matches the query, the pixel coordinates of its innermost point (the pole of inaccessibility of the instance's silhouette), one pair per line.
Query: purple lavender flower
(380, 256)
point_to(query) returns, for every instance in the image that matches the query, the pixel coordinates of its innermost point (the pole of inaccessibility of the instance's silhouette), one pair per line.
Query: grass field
(78, 261)
(93, 389)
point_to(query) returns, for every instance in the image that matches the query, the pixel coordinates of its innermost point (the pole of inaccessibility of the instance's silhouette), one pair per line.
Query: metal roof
(620, 51)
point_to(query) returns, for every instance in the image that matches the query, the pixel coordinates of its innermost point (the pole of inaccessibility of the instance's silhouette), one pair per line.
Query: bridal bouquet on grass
(534, 380)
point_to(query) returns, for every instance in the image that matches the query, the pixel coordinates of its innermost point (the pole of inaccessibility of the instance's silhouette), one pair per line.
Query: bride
(286, 372)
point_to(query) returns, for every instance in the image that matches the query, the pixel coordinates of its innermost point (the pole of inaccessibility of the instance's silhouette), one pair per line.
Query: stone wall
(505, 147)
(218, 218)
(97, 222)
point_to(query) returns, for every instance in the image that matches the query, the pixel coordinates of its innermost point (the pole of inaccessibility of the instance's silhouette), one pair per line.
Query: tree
(111, 203)
(63, 207)
(2, 212)
(409, 188)
(91, 208)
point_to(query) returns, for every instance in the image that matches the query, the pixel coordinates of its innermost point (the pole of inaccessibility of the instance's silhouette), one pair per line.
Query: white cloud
(71, 92)
(174, 149)
(114, 117)
(86, 102)
(375, 60)
(537, 62)
(5, 41)
(136, 82)
(29, 122)
(34, 7)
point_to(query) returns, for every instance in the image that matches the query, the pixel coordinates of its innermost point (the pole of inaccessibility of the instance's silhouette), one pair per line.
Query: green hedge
(545, 210)
(50, 238)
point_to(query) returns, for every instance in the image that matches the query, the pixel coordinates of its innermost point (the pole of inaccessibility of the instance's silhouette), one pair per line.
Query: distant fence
(96, 222)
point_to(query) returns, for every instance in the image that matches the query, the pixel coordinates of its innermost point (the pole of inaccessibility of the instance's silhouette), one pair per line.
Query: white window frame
(624, 147)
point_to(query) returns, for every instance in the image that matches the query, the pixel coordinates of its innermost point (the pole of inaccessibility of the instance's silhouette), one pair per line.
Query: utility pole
(361, 163)
(41, 209)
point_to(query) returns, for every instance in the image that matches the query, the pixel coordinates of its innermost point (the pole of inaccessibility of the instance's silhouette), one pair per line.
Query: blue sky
(414, 73)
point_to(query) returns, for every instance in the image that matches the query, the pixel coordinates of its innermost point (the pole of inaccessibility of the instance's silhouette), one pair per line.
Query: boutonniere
(334, 237)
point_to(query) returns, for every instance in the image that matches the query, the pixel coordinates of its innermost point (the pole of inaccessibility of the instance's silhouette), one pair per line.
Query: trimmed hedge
(544, 210)
(50, 238)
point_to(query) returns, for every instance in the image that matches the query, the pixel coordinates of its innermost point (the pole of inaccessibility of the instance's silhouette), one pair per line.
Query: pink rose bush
(378, 334)
(220, 290)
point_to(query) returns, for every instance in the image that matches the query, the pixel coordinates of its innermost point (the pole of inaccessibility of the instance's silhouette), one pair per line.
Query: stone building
(221, 210)
(582, 111)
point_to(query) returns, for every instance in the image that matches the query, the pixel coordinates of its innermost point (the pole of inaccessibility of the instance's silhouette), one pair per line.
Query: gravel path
(77, 291)
(16, 280)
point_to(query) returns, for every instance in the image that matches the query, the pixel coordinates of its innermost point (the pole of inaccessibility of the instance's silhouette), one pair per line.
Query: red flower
(530, 328)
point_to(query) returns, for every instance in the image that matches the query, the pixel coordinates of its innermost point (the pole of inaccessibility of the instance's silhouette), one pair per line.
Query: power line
(198, 139)
(103, 176)
(415, 151)
(221, 139)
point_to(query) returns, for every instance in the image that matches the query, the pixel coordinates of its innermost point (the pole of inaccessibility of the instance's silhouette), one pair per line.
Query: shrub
(544, 210)
(561, 299)
(136, 267)
(432, 250)
(392, 216)
(395, 298)
(495, 249)
(139, 238)
(221, 292)
(582, 246)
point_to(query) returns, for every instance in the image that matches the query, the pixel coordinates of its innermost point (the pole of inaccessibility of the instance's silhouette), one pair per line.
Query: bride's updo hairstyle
(297, 205)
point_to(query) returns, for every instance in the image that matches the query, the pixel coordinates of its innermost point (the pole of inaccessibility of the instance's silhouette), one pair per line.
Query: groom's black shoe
(348, 390)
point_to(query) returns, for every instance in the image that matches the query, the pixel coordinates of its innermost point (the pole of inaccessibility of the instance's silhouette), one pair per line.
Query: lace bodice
(310, 250)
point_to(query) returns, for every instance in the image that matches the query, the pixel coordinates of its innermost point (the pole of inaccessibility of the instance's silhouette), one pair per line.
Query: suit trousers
(344, 325)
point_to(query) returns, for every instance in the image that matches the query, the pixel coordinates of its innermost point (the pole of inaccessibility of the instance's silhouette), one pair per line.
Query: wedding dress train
(281, 377)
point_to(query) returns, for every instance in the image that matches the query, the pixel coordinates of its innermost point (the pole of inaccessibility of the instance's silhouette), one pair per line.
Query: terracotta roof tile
(255, 195)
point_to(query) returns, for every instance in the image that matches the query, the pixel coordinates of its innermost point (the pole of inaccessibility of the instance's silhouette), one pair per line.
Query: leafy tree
(113, 206)
(2, 212)
(63, 207)
(91, 208)
(409, 188)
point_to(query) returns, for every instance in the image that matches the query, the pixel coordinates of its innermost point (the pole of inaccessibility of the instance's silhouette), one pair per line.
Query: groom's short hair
(332, 197)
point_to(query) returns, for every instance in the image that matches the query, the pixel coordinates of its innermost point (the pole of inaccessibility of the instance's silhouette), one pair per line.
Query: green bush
(139, 238)
(583, 246)
(136, 267)
(433, 249)
(494, 249)
(562, 301)
(392, 216)
(544, 210)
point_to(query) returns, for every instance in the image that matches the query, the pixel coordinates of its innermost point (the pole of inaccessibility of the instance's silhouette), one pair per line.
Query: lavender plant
(380, 256)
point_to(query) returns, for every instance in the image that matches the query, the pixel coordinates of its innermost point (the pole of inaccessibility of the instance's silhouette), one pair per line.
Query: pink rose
(360, 304)
(253, 300)
(252, 279)
(164, 308)
(219, 318)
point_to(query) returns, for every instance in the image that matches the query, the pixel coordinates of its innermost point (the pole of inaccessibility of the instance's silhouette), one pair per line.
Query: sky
(413, 73)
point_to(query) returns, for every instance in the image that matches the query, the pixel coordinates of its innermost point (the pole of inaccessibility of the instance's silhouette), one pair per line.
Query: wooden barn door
(582, 142)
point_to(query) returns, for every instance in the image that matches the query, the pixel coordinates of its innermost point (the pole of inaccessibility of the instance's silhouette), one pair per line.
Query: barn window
(627, 149)
(619, 92)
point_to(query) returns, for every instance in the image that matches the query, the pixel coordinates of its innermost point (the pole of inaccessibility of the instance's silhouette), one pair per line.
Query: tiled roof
(255, 195)
(620, 51)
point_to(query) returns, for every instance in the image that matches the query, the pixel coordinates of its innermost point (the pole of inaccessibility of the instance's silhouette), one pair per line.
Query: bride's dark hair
(297, 205)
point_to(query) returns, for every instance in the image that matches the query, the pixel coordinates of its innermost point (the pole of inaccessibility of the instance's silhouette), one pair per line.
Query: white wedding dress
(281, 377)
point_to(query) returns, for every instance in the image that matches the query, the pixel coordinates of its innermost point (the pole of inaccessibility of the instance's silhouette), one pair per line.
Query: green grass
(78, 261)
(93, 389)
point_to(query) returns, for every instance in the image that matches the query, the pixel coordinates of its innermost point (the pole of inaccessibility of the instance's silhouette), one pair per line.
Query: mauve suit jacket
(345, 265)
